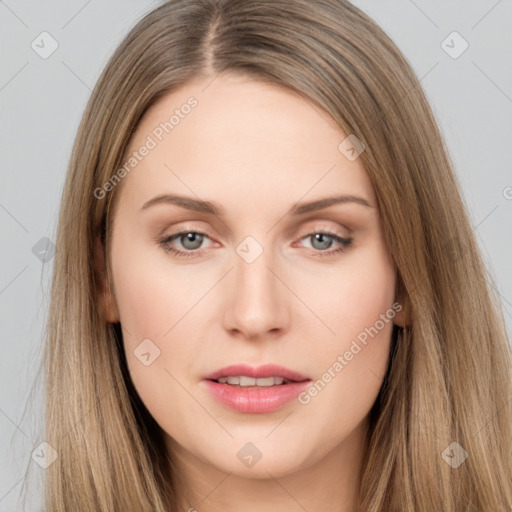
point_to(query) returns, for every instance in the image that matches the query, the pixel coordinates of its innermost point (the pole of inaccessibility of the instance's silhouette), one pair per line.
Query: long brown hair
(449, 378)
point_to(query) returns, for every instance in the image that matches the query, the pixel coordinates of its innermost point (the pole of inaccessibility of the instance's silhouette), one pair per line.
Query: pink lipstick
(263, 389)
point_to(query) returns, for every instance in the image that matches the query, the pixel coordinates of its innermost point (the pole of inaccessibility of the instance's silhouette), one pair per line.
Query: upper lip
(267, 370)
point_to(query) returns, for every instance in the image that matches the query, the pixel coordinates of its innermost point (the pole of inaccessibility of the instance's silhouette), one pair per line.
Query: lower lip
(255, 400)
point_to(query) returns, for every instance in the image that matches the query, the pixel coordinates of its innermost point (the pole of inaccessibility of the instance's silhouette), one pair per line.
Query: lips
(260, 372)
(254, 400)
(239, 395)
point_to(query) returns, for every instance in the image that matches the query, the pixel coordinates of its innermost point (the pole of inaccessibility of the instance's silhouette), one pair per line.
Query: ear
(106, 301)
(403, 316)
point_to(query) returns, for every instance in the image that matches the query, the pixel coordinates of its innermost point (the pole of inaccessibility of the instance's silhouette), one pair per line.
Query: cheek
(153, 295)
(354, 295)
(156, 302)
(352, 363)
(153, 303)
(367, 295)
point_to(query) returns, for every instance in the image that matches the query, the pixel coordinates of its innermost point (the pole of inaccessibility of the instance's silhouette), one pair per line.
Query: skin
(256, 150)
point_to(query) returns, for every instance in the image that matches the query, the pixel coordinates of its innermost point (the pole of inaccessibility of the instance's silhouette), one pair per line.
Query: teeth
(244, 381)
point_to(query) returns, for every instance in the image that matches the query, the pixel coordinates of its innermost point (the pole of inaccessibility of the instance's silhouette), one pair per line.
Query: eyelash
(346, 243)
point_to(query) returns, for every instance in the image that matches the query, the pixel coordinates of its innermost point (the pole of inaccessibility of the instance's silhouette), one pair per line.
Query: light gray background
(42, 101)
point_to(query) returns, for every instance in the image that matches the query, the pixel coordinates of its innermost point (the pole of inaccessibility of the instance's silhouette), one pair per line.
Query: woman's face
(253, 283)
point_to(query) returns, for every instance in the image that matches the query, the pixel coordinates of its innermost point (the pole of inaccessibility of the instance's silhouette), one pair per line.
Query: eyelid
(181, 228)
(319, 227)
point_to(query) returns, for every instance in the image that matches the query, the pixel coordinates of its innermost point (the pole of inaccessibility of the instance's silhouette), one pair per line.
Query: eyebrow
(212, 208)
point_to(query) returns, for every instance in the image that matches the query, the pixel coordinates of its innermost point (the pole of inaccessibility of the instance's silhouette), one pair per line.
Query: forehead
(234, 138)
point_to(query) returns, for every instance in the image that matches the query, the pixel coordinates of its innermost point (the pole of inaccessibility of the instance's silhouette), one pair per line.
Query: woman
(233, 158)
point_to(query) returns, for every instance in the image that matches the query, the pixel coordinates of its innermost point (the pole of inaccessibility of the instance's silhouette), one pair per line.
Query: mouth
(243, 381)
(263, 376)
(255, 390)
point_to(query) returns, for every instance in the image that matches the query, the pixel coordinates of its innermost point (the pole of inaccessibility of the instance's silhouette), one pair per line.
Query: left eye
(191, 241)
(322, 240)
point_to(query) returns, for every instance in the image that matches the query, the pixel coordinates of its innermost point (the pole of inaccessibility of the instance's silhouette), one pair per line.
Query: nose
(257, 301)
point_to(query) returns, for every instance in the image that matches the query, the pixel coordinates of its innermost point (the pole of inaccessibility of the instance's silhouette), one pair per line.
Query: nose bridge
(257, 303)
